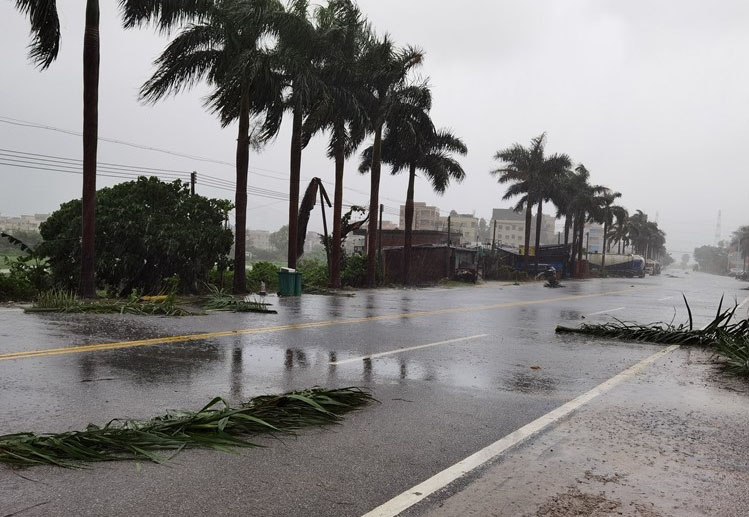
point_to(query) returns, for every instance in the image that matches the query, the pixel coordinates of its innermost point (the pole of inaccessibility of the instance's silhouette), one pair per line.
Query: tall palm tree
(619, 229)
(45, 45)
(411, 143)
(741, 241)
(224, 46)
(608, 209)
(520, 168)
(337, 108)
(551, 175)
(300, 52)
(385, 70)
(584, 207)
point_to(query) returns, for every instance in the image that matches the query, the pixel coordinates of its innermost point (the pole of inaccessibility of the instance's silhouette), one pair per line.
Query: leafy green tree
(740, 239)
(280, 239)
(147, 231)
(712, 259)
(225, 45)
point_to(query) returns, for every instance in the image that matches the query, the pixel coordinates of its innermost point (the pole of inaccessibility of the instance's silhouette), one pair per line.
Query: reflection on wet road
(455, 369)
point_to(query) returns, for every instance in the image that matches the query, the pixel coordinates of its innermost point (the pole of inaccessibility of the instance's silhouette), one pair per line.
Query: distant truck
(652, 267)
(619, 265)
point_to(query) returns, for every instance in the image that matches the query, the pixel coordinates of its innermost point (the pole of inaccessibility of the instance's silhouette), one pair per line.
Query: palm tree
(551, 175)
(45, 45)
(584, 206)
(385, 70)
(619, 230)
(300, 53)
(337, 108)
(411, 143)
(521, 166)
(224, 46)
(609, 210)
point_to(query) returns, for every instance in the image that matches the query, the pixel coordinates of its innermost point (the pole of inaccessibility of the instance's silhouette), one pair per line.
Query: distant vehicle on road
(652, 267)
(619, 265)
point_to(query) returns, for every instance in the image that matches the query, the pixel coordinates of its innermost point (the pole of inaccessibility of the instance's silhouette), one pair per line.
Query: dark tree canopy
(146, 231)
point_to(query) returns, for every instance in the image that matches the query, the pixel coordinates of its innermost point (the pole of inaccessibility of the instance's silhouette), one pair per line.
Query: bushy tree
(146, 231)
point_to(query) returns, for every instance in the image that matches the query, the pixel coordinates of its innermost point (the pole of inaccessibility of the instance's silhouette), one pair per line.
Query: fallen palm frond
(216, 426)
(219, 300)
(667, 333)
(58, 300)
(734, 353)
(727, 336)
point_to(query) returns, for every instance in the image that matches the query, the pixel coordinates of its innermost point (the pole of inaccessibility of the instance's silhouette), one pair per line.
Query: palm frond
(45, 30)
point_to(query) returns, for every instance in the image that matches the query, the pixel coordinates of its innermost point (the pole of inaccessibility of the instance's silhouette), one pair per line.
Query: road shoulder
(669, 442)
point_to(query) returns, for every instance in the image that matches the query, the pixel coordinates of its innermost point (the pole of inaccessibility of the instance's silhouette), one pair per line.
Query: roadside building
(510, 228)
(465, 224)
(390, 225)
(26, 223)
(425, 217)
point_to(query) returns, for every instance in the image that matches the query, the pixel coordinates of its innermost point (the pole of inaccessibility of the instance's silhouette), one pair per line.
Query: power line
(278, 175)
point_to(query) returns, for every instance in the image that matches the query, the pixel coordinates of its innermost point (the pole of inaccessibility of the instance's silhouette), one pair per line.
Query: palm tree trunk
(603, 249)
(566, 242)
(295, 171)
(528, 218)
(539, 215)
(87, 287)
(335, 252)
(619, 247)
(409, 226)
(240, 202)
(374, 201)
(573, 248)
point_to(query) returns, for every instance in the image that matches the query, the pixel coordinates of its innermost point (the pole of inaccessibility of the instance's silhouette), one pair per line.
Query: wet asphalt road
(439, 404)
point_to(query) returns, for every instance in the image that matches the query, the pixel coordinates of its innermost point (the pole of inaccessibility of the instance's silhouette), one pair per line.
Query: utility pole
(449, 242)
(559, 238)
(193, 181)
(379, 237)
(494, 235)
(587, 245)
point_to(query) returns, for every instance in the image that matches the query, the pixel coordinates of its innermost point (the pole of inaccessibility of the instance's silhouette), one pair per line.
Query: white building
(510, 228)
(425, 217)
(27, 223)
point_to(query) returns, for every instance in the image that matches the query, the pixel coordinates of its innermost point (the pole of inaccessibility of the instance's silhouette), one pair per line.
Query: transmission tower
(718, 233)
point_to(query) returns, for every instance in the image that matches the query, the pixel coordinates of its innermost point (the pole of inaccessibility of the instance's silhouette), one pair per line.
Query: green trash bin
(289, 283)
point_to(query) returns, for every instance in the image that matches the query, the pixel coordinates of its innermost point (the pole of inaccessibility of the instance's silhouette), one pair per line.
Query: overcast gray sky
(650, 95)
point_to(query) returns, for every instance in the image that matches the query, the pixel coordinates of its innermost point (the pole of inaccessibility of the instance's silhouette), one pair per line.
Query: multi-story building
(259, 239)
(389, 225)
(466, 224)
(27, 223)
(510, 228)
(425, 217)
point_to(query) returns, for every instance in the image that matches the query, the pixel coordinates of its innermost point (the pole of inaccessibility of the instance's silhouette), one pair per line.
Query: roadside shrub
(314, 273)
(13, 288)
(354, 271)
(146, 231)
(265, 271)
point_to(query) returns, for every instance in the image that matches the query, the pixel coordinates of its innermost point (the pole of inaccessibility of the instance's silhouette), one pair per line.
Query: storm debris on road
(216, 426)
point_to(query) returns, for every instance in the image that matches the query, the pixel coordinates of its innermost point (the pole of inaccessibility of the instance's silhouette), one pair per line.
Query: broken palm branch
(667, 333)
(216, 426)
(305, 209)
(219, 300)
(726, 335)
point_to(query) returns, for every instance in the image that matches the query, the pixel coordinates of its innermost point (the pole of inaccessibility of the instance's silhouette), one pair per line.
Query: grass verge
(216, 426)
(218, 300)
(67, 302)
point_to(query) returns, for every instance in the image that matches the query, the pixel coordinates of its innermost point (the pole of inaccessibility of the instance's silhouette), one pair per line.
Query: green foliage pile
(219, 300)
(265, 271)
(146, 231)
(216, 426)
(59, 300)
(27, 274)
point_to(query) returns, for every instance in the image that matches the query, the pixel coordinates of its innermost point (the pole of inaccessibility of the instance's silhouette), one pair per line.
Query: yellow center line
(297, 326)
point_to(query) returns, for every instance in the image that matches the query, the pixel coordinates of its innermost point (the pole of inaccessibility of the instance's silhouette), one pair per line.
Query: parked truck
(619, 265)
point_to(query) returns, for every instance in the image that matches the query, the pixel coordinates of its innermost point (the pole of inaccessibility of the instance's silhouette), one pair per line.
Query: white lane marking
(606, 311)
(399, 350)
(421, 491)
(664, 299)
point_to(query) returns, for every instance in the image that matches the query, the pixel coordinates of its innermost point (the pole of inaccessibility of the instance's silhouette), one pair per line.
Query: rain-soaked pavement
(439, 404)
